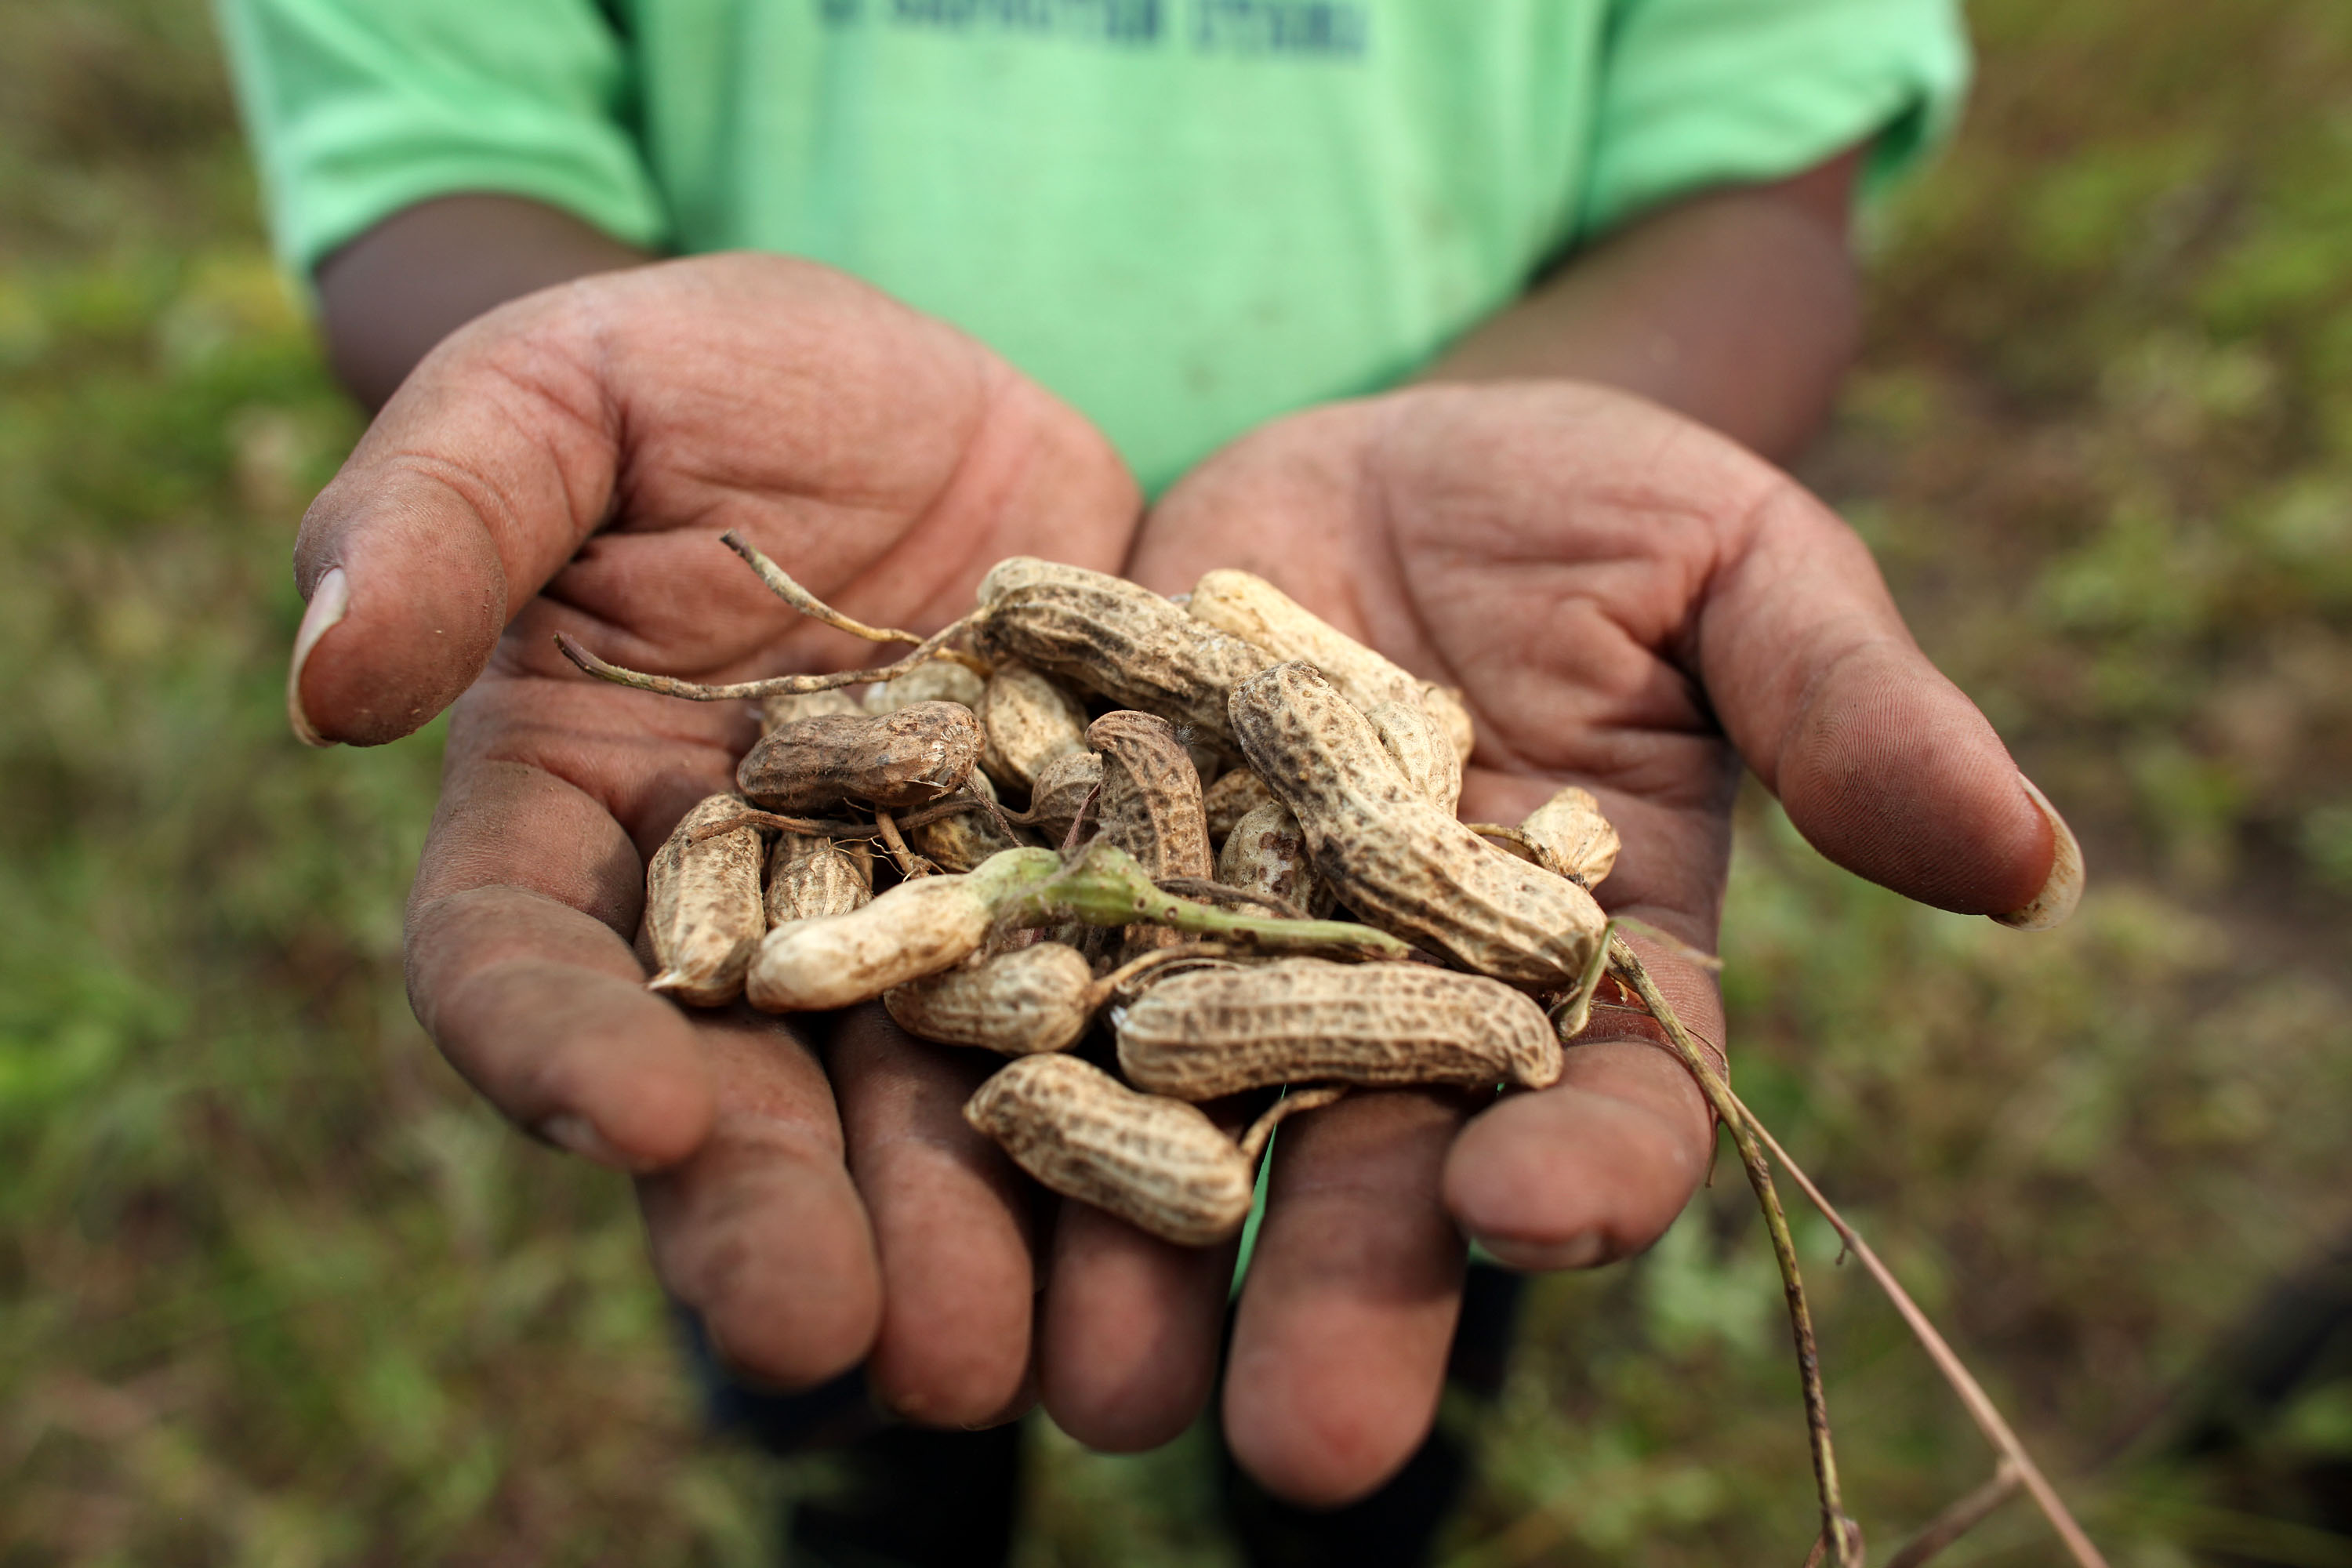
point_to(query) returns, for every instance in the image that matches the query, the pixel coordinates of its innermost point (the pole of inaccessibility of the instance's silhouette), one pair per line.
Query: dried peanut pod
(1035, 998)
(916, 929)
(1445, 705)
(907, 758)
(940, 681)
(1211, 1032)
(1571, 836)
(1236, 793)
(961, 841)
(1029, 721)
(777, 711)
(1418, 745)
(1160, 1164)
(1400, 862)
(1064, 787)
(1109, 637)
(1150, 804)
(702, 906)
(1266, 853)
(810, 877)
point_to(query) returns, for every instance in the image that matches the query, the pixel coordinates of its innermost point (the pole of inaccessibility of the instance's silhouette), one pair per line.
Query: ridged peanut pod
(1400, 862)
(1160, 1164)
(702, 907)
(961, 841)
(1418, 745)
(1151, 806)
(809, 878)
(1211, 1032)
(1256, 611)
(1571, 836)
(1063, 788)
(1108, 636)
(1029, 721)
(916, 929)
(907, 758)
(1236, 793)
(1035, 998)
(786, 708)
(1266, 853)
(937, 681)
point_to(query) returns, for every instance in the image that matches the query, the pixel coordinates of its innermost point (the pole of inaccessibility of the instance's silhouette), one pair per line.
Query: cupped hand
(567, 463)
(1629, 603)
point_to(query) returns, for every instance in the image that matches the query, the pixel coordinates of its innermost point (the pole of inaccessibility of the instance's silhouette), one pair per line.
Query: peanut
(1236, 793)
(702, 906)
(1399, 861)
(1257, 612)
(962, 839)
(1266, 853)
(1211, 1032)
(1160, 1164)
(1064, 787)
(1035, 998)
(1112, 637)
(937, 681)
(1151, 806)
(810, 877)
(1571, 838)
(916, 929)
(1417, 745)
(1029, 721)
(907, 758)
(777, 711)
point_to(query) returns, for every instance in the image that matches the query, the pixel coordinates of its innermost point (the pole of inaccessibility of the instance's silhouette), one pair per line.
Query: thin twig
(780, 582)
(752, 817)
(1254, 1141)
(751, 690)
(1972, 1395)
(1845, 1535)
(911, 864)
(1959, 1519)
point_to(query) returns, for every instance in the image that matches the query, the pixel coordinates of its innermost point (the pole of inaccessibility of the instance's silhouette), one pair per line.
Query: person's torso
(1185, 217)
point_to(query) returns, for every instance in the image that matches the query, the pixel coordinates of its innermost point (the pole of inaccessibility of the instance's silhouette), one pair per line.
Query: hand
(567, 463)
(1630, 603)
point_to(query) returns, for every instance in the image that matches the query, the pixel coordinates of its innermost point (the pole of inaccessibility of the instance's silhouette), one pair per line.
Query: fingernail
(331, 601)
(2063, 890)
(576, 1134)
(1579, 1251)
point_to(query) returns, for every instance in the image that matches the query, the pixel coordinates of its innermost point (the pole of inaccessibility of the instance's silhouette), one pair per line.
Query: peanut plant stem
(744, 691)
(1960, 1519)
(1972, 1395)
(1105, 886)
(1843, 1535)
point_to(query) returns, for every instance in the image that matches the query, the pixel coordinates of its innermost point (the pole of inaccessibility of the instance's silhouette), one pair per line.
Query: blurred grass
(273, 1290)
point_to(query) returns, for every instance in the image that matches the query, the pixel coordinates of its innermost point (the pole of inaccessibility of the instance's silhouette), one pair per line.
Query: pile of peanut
(1086, 805)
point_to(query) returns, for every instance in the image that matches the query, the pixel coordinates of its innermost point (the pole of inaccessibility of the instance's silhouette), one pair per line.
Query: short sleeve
(357, 109)
(1696, 93)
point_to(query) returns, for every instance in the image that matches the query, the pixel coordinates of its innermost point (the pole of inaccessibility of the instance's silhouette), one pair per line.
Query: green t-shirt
(1185, 217)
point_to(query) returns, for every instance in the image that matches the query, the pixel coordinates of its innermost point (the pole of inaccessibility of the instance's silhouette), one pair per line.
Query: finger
(949, 1221)
(1596, 1167)
(1881, 762)
(1340, 1340)
(760, 1232)
(1129, 1339)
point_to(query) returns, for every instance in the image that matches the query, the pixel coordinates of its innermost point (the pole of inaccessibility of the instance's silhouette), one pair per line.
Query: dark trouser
(949, 1499)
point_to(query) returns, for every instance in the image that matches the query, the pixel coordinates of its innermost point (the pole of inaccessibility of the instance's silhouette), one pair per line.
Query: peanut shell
(702, 906)
(1035, 998)
(1029, 721)
(907, 758)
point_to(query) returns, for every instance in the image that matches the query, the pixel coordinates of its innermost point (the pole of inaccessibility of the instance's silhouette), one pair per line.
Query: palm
(1628, 603)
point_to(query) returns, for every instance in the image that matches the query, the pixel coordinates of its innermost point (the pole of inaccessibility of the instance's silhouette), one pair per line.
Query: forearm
(391, 294)
(1740, 308)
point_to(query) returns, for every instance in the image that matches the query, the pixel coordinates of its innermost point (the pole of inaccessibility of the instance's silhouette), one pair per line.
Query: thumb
(1880, 761)
(480, 479)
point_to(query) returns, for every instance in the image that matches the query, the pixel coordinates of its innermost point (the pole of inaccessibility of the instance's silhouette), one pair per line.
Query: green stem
(1105, 887)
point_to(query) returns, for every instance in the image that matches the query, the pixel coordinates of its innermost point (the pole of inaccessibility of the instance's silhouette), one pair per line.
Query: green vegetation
(275, 1290)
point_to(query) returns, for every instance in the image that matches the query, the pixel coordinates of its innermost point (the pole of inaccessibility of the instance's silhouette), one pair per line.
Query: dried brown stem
(1158, 958)
(752, 690)
(808, 827)
(1843, 1535)
(911, 864)
(1253, 1142)
(1972, 1395)
(780, 582)
(1960, 1518)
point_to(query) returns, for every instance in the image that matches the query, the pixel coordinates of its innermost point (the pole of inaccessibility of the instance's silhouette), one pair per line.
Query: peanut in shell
(810, 877)
(1062, 789)
(937, 681)
(1030, 721)
(785, 708)
(1398, 861)
(911, 757)
(962, 839)
(1237, 792)
(1035, 998)
(703, 909)
(1571, 838)
(1266, 853)
(1211, 1032)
